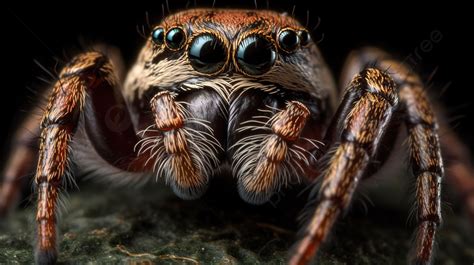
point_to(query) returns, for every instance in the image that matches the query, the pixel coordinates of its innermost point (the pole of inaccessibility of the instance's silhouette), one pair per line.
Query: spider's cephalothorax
(239, 90)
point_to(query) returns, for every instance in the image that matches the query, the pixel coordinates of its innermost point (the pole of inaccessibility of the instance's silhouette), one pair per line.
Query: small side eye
(207, 54)
(158, 36)
(305, 37)
(175, 39)
(255, 55)
(288, 40)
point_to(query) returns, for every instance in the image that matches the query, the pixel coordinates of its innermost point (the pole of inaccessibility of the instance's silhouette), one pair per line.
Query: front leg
(86, 87)
(361, 121)
(424, 146)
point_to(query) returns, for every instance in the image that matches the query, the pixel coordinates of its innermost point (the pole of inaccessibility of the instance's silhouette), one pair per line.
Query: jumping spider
(240, 90)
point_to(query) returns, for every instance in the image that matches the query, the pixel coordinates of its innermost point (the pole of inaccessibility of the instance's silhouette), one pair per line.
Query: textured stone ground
(152, 226)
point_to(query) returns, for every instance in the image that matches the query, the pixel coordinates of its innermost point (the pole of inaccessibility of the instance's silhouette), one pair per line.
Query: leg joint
(379, 83)
(84, 63)
(430, 218)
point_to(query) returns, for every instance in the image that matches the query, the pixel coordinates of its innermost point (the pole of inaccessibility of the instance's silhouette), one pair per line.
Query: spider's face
(214, 82)
(218, 47)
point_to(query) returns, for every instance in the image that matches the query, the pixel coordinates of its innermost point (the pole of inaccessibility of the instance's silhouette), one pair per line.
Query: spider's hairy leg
(367, 109)
(454, 156)
(21, 161)
(424, 146)
(22, 158)
(427, 166)
(86, 84)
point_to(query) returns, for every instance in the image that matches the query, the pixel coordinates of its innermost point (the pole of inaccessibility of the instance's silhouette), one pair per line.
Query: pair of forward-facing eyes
(208, 54)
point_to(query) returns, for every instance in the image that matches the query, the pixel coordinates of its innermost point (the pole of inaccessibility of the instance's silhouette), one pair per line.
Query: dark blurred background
(48, 33)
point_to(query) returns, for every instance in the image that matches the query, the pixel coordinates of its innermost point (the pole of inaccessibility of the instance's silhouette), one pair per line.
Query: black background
(43, 33)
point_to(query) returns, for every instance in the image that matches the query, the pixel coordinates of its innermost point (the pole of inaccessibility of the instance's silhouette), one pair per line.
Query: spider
(241, 91)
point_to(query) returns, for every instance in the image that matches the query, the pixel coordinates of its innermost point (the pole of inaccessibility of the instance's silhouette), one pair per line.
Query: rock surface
(152, 226)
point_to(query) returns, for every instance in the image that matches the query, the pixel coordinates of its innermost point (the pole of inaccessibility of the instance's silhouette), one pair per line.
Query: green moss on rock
(152, 226)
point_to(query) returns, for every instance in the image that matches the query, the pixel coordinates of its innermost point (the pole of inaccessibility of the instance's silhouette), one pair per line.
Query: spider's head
(221, 44)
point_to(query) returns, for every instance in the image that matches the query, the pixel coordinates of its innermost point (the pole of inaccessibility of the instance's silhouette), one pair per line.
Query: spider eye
(304, 37)
(175, 38)
(288, 40)
(207, 54)
(158, 36)
(255, 55)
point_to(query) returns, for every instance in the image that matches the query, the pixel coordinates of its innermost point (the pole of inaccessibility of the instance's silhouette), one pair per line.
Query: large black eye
(207, 54)
(288, 40)
(305, 37)
(175, 38)
(158, 36)
(256, 55)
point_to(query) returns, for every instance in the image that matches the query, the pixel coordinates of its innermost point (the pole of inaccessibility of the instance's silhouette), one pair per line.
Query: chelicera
(241, 91)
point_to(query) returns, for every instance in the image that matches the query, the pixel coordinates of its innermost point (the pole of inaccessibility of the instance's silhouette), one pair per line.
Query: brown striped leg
(427, 166)
(21, 161)
(425, 150)
(87, 84)
(367, 109)
(23, 156)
